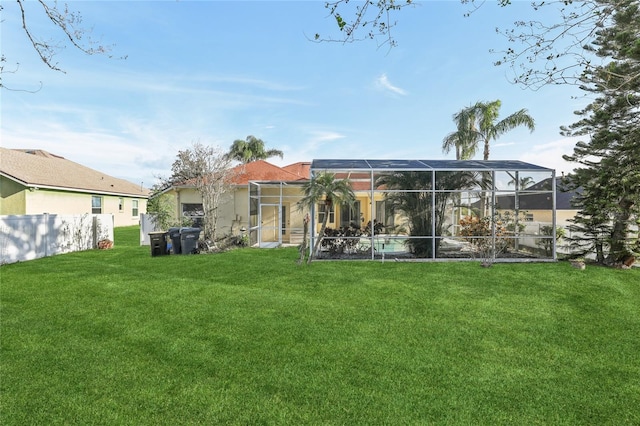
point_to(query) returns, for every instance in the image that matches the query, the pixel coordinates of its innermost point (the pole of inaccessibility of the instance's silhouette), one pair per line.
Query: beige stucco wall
(12, 197)
(125, 216)
(59, 202)
(563, 216)
(54, 202)
(234, 203)
(546, 216)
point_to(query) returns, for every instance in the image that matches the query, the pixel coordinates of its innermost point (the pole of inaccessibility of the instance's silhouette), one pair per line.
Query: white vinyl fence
(28, 237)
(147, 225)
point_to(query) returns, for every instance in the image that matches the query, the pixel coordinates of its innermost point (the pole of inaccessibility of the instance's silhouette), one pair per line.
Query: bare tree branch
(69, 22)
(370, 20)
(555, 53)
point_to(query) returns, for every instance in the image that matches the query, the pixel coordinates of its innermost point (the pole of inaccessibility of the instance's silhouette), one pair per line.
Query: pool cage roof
(425, 165)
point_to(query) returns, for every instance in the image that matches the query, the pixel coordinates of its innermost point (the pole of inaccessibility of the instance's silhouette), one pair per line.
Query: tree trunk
(316, 247)
(618, 248)
(305, 235)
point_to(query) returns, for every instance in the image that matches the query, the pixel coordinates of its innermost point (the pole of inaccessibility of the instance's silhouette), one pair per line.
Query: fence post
(94, 231)
(45, 217)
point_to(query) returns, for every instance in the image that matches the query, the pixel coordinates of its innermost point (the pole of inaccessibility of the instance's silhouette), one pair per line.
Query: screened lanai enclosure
(274, 216)
(418, 210)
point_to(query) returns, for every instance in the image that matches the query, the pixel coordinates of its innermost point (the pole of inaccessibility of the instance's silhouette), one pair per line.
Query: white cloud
(320, 137)
(317, 144)
(504, 144)
(550, 155)
(384, 83)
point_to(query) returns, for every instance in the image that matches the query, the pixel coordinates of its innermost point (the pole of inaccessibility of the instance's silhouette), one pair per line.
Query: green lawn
(250, 337)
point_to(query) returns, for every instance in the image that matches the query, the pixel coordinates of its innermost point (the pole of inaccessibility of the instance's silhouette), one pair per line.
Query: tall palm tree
(490, 129)
(478, 123)
(326, 188)
(251, 149)
(464, 139)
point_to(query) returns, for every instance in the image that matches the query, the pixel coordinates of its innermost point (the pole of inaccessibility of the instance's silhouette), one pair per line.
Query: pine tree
(608, 178)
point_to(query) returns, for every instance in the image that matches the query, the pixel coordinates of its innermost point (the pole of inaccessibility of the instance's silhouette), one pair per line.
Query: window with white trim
(96, 204)
(332, 214)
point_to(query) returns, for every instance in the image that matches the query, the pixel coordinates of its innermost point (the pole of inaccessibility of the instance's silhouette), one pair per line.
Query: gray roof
(470, 165)
(39, 168)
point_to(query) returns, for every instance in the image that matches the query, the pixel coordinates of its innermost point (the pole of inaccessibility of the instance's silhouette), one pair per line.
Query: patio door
(270, 224)
(350, 215)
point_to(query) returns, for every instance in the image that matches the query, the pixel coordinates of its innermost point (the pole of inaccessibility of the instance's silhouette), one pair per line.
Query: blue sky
(216, 71)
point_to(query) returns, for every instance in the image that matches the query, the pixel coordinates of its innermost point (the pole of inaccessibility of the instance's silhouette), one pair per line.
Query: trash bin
(189, 240)
(174, 234)
(158, 243)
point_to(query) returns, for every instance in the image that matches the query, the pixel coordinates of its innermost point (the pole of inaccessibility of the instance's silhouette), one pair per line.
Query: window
(96, 205)
(121, 204)
(383, 215)
(350, 216)
(195, 212)
(528, 217)
(134, 208)
(332, 214)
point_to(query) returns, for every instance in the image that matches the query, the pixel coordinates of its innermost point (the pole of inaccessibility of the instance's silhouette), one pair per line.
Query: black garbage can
(189, 240)
(158, 243)
(174, 234)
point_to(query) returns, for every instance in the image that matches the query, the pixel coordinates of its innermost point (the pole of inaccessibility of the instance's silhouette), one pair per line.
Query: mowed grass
(249, 337)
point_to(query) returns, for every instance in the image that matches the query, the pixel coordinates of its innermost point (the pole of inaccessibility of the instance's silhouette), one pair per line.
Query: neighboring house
(538, 207)
(36, 182)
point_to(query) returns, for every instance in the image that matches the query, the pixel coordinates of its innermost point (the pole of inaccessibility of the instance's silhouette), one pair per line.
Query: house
(537, 206)
(234, 211)
(34, 181)
(264, 203)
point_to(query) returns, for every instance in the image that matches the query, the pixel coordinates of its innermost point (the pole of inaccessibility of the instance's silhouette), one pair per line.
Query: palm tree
(488, 129)
(326, 188)
(251, 149)
(522, 183)
(464, 139)
(477, 123)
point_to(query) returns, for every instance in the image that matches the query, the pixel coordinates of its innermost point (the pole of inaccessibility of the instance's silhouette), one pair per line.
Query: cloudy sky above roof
(215, 71)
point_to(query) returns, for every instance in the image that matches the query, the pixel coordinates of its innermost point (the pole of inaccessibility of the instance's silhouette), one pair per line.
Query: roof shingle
(46, 170)
(264, 171)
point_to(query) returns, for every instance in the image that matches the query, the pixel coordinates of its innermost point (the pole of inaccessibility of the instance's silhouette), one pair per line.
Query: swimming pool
(385, 244)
